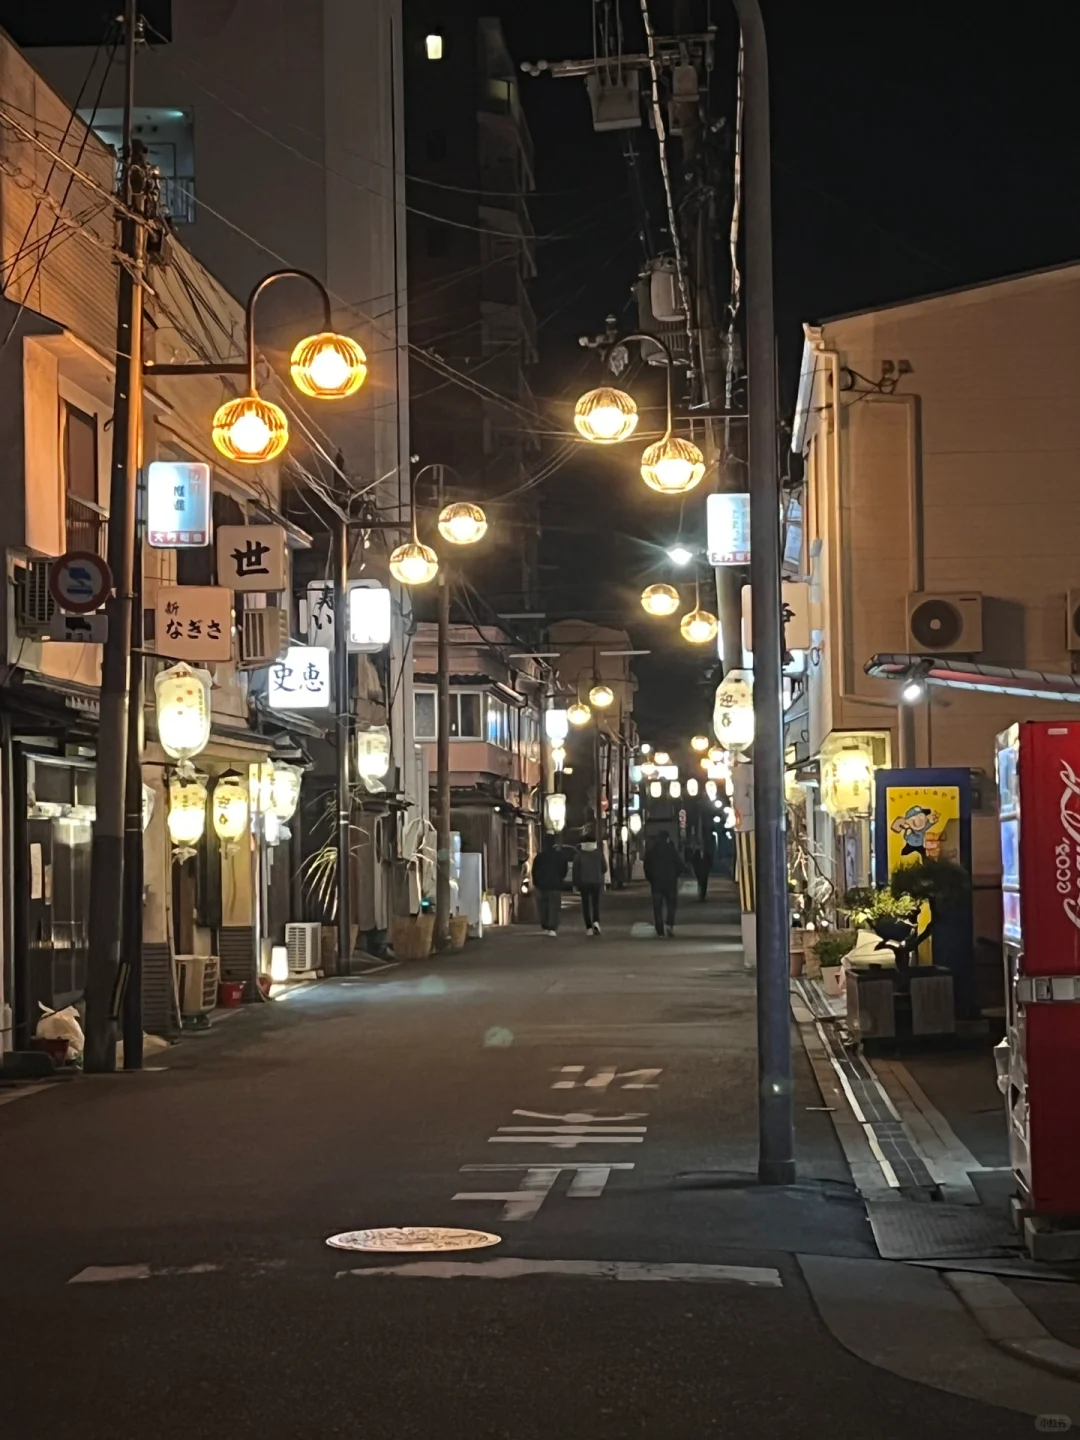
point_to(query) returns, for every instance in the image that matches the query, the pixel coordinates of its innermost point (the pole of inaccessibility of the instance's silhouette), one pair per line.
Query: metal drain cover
(414, 1237)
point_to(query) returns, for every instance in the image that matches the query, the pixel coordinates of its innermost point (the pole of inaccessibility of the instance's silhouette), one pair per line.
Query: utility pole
(132, 1011)
(340, 541)
(776, 1127)
(709, 359)
(107, 855)
(442, 761)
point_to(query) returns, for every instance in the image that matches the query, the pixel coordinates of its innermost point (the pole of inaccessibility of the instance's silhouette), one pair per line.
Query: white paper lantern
(230, 807)
(556, 725)
(373, 755)
(182, 698)
(656, 789)
(285, 791)
(555, 812)
(635, 824)
(148, 798)
(187, 813)
(691, 786)
(847, 776)
(733, 711)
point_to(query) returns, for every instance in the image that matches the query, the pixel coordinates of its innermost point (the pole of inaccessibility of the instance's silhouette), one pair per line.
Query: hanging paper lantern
(187, 813)
(847, 776)
(261, 787)
(635, 824)
(554, 812)
(733, 711)
(373, 755)
(230, 806)
(285, 791)
(182, 698)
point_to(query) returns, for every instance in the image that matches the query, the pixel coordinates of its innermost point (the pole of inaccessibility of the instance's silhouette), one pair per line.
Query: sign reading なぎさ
(177, 504)
(193, 622)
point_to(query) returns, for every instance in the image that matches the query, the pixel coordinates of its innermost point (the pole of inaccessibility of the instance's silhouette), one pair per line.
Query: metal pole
(776, 1131)
(442, 764)
(906, 735)
(132, 1013)
(107, 855)
(341, 705)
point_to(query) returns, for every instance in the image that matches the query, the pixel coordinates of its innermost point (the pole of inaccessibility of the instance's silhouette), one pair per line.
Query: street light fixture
(601, 696)
(698, 626)
(605, 416)
(680, 555)
(462, 523)
(250, 430)
(672, 465)
(660, 600)
(328, 366)
(699, 744)
(662, 758)
(414, 563)
(578, 714)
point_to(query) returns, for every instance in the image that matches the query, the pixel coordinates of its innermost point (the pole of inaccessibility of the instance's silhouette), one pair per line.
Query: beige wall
(967, 478)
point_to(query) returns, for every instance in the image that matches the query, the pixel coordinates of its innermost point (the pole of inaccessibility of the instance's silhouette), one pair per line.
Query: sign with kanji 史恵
(251, 557)
(300, 680)
(177, 504)
(193, 622)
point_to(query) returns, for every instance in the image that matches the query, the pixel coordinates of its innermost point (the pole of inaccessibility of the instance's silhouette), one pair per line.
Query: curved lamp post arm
(249, 310)
(668, 364)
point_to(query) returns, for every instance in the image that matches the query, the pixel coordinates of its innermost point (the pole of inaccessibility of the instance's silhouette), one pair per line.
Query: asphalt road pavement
(587, 1100)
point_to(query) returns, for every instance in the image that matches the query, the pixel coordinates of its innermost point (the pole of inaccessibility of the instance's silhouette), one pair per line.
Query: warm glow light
(716, 755)
(433, 50)
(279, 964)
(579, 714)
(187, 813)
(699, 744)
(672, 466)
(285, 791)
(710, 789)
(661, 758)
(645, 748)
(182, 699)
(148, 796)
(698, 626)
(660, 600)
(635, 824)
(692, 786)
(328, 366)
(656, 789)
(462, 523)
(674, 789)
(847, 776)
(648, 770)
(373, 752)
(250, 430)
(605, 416)
(230, 806)
(601, 696)
(414, 563)
(554, 812)
(733, 711)
(486, 912)
(558, 756)
(556, 724)
(261, 787)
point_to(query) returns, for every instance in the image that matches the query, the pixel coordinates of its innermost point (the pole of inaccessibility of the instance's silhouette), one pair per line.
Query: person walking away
(701, 863)
(588, 878)
(548, 873)
(662, 870)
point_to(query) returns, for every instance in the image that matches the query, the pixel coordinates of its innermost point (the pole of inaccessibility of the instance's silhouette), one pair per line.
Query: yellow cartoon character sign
(923, 823)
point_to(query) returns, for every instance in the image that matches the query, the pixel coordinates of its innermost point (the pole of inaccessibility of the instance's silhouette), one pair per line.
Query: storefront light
(285, 791)
(187, 813)
(148, 797)
(558, 756)
(373, 755)
(635, 824)
(556, 724)
(710, 789)
(230, 807)
(661, 758)
(692, 786)
(279, 964)
(261, 788)
(182, 700)
(733, 711)
(847, 776)
(675, 789)
(554, 812)
(656, 789)
(699, 744)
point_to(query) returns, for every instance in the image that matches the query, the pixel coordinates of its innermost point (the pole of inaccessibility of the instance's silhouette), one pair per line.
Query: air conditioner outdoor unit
(945, 624)
(1072, 620)
(264, 636)
(302, 941)
(35, 605)
(198, 977)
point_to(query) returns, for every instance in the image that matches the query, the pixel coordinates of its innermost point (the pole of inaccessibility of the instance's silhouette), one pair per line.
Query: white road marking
(106, 1274)
(536, 1185)
(568, 1138)
(513, 1269)
(583, 1117)
(605, 1075)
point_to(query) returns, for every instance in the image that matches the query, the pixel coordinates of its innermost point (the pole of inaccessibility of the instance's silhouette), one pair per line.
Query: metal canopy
(967, 675)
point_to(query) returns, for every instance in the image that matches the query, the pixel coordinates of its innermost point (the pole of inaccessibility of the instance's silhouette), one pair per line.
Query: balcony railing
(86, 526)
(178, 198)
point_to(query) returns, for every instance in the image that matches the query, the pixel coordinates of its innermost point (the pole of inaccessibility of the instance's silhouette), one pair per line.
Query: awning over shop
(967, 675)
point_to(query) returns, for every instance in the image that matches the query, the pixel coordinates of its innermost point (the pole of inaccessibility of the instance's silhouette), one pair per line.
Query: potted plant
(829, 950)
(886, 926)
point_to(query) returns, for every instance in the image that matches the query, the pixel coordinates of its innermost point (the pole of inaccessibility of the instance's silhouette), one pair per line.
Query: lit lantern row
(273, 791)
(697, 626)
(606, 416)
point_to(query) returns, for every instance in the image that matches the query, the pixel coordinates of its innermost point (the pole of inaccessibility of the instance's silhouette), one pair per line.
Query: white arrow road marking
(536, 1185)
(507, 1268)
(584, 1117)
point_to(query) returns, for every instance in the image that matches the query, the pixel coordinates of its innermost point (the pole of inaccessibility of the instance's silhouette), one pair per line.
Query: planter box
(411, 936)
(870, 1009)
(459, 931)
(833, 980)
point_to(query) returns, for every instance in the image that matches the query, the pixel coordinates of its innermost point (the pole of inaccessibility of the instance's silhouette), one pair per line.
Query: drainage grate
(912, 1230)
(416, 1238)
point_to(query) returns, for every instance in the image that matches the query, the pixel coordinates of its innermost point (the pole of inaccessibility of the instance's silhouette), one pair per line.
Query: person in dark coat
(589, 873)
(701, 864)
(548, 873)
(663, 867)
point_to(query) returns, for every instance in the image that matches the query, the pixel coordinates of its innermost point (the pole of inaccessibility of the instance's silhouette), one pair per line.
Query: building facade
(939, 518)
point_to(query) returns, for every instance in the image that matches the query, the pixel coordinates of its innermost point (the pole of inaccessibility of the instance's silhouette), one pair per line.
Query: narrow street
(192, 1203)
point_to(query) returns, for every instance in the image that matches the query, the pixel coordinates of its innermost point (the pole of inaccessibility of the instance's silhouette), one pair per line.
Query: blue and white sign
(177, 504)
(80, 581)
(727, 524)
(300, 680)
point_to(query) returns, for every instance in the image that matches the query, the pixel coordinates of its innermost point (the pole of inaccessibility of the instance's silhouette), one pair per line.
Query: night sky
(917, 147)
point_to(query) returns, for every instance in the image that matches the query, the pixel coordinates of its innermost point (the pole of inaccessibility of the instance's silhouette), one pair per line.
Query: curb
(1008, 1323)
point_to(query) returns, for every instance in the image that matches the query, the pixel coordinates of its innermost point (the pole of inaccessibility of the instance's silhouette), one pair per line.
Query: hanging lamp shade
(699, 744)
(250, 430)
(660, 600)
(602, 696)
(285, 790)
(328, 366)
(605, 416)
(182, 700)
(230, 806)
(698, 626)
(578, 714)
(462, 523)
(414, 563)
(672, 466)
(187, 813)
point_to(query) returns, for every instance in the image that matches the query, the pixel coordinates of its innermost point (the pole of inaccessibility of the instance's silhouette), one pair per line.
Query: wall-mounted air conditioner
(264, 636)
(198, 983)
(945, 623)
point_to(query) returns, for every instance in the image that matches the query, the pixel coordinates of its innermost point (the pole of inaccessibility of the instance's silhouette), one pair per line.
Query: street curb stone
(1008, 1323)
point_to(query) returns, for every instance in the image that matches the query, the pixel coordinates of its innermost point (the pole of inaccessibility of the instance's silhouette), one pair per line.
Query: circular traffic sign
(80, 582)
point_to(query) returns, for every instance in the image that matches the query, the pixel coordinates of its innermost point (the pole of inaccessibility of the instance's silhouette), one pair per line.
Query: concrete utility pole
(340, 542)
(776, 1127)
(107, 854)
(710, 359)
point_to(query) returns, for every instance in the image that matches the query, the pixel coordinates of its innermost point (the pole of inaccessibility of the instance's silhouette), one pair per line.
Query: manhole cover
(414, 1237)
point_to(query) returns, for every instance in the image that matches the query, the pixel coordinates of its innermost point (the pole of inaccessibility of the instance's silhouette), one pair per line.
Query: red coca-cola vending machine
(1038, 775)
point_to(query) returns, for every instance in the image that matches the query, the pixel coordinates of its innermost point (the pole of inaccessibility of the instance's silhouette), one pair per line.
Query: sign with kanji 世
(300, 680)
(177, 504)
(251, 557)
(194, 622)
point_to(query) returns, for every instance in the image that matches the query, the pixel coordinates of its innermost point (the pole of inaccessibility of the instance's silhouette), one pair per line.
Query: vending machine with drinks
(1038, 777)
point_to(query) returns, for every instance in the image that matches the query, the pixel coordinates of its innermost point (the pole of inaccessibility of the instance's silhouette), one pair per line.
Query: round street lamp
(462, 523)
(601, 696)
(328, 366)
(414, 563)
(578, 714)
(250, 430)
(672, 465)
(660, 600)
(698, 626)
(662, 757)
(699, 744)
(605, 416)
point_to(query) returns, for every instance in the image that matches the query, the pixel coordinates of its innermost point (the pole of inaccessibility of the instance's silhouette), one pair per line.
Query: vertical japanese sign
(193, 622)
(177, 504)
(320, 614)
(251, 557)
(300, 680)
(727, 528)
